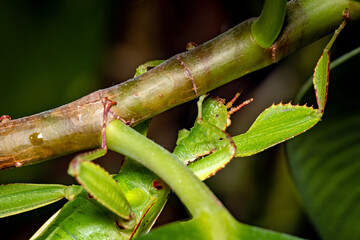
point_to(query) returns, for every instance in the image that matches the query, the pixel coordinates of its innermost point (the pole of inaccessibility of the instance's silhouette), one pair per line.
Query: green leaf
(325, 161)
(21, 197)
(82, 218)
(276, 124)
(320, 80)
(200, 229)
(321, 72)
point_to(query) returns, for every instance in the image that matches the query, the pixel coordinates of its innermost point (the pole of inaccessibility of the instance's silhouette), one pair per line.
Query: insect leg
(98, 182)
(211, 164)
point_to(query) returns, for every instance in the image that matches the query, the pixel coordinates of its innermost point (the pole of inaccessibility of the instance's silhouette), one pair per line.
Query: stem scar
(189, 74)
(107, 105)
(107, 110)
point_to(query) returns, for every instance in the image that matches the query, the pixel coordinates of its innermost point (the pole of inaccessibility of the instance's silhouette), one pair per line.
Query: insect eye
(158, 185)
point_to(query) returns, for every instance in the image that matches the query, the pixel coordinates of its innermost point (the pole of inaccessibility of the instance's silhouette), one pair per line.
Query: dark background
(53, 52)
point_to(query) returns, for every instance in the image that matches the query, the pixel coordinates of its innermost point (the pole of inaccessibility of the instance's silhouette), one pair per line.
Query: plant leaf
(20, 197)
(83, 218)
(320, 79)
(325, 162)
(276, 124)
(196, 229)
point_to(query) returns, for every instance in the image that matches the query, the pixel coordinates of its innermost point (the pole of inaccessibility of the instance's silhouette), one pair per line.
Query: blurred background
(53, 52)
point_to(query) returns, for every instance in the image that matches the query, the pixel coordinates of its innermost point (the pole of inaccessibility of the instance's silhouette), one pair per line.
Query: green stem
(267, 27)
(192, 192)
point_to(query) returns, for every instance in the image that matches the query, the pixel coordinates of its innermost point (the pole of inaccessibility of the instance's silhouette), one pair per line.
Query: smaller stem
(267, 27)
(192, 192)
(346, 15)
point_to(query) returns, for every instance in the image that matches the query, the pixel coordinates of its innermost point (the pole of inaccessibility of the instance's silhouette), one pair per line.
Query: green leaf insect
(208, 136)
(126, 205)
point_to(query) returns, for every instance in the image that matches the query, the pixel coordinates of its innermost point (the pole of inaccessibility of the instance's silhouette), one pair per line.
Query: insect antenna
(237, 108)
(231, 102)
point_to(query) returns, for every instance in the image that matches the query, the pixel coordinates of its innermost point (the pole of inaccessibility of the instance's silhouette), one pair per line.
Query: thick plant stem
(192, 192)
(77, 126)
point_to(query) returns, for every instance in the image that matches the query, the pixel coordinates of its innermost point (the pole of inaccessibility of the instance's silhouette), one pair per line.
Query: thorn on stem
(19, 164)
(5, 118)
(190, 45)
(346, 14)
